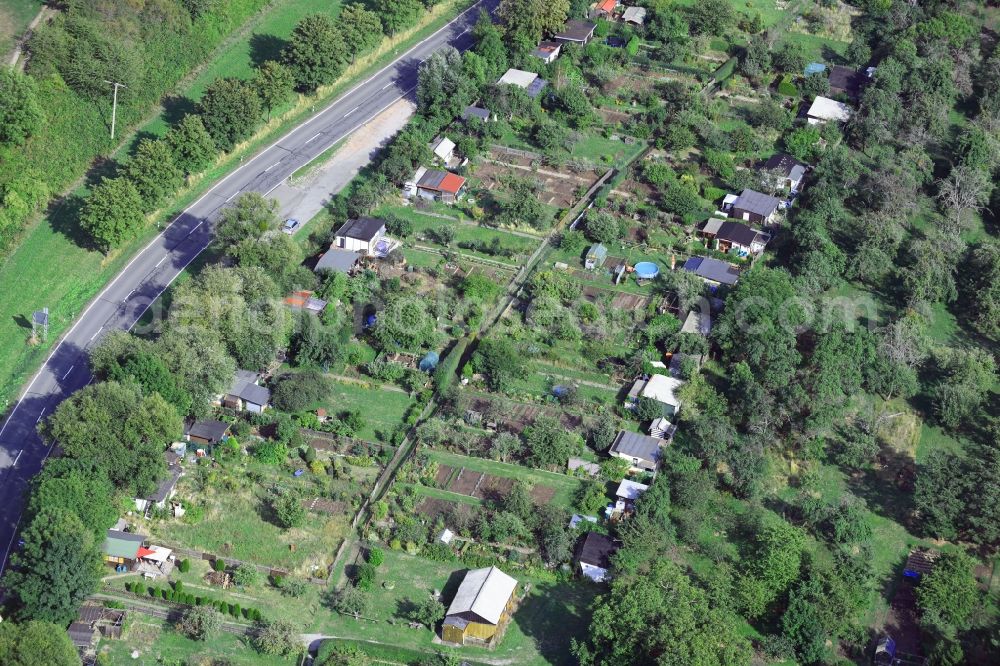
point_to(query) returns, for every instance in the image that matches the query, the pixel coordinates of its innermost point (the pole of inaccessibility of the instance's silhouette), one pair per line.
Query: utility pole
(114, 104)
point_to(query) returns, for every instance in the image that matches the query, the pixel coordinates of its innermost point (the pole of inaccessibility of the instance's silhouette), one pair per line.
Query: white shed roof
(663, 389)
(634, 15)
(824, 108)
(698, 322)
(518, 77)
(444, 148)
(630, 490)
(484, 592)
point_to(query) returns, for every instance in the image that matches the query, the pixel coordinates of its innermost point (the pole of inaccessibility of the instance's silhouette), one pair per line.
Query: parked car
(290, 225)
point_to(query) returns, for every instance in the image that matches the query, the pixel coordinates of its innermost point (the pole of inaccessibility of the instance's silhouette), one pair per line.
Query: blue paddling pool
(646, 270)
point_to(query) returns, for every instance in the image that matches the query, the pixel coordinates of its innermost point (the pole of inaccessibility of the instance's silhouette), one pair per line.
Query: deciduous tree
(230, 110)
(112, 214)
(20, 113)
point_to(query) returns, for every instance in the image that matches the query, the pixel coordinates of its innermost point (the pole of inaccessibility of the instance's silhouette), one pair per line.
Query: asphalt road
(126, 298)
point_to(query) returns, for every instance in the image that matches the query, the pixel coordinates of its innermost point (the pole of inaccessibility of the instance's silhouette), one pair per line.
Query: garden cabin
(547, 51)
(364, 235)
(594, 556)
(245, 394)
(845, 81)
(166, 489)
(207, 433)
(444, 149)
(713, 271)
(481, 607)
(642, 452)
(754, 206)
(604, 9)
(123, 548)
(634, 15)
(530, 82)
(729, 236)
(478, 113)
(790, 170)
(576, 32)
(824, 109)
(435, 185)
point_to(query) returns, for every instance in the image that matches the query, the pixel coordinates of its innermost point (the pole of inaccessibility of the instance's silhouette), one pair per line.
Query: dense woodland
(737, 551)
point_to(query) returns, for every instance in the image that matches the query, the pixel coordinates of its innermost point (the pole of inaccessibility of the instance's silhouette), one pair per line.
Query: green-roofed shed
(120, 546)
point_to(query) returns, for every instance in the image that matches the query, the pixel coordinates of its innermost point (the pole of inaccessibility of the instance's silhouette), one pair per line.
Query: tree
(200, 623)
(711, 17)
(36, 643)
(397, 15)
(660, 617)
(790, 58)
(58, 567)
(405, 323)
(20, 113)
(352, 601)
(198, 361)
(153, 172)
(76, 487)
(360, 29)
(506, 446)
(112, 214)
(966, 378)
(273, 82)
(288, 510)
(981, 288)
(276, 637)
(500, 364)
(428, 611)
(192, 146)
(548, 443)
(230, 110)
(759, 325)
(316, 53)
(816, 84)
(489, 46)
(965, 189)
(249, 218)
(241, 306)
(777, 551)
(294, 392)
(442, 87)
(119, 429)
(527, 20)
(603, 227)
(803, 143)
(949, 593)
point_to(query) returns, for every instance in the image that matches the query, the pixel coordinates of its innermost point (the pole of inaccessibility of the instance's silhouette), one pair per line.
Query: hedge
(726, 70)
(787, 88)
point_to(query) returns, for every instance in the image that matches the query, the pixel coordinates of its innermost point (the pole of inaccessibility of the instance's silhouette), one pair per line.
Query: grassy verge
(15, 15)
(82, 271)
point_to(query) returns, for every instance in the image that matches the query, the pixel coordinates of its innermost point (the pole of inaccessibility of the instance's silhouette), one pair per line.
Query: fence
(515, 152)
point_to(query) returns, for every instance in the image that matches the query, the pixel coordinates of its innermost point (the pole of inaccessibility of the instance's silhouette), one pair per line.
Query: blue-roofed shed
(814, 68)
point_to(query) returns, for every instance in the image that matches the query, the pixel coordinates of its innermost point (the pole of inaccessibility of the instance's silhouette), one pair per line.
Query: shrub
(178, 586)
(236, 611)
(184, 566)
(364, 576)
(246, 574)
(376, 556)
(288, 510)
(200, 623)
(277, 637)
(787, 88)
(726, 70)
(219, 564)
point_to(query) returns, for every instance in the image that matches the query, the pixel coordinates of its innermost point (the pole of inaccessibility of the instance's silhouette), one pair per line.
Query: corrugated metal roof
(484, 592)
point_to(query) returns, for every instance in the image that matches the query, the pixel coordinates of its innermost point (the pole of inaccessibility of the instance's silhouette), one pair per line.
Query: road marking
(162, 260)
(352, 110)
(98, 333)
(232, 195)
(41, 414)
(271, 167)
(313, 137)
(388, 85)
(68, 371)
(17, 457)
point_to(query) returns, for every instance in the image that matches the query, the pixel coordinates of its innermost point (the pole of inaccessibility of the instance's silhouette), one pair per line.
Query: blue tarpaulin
(815, 68)
(429, 362)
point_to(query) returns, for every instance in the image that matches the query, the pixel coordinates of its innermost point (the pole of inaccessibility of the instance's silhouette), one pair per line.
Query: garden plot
(494, 488)
(321, 505)
(559, 187)
(432, 507)
(619, 300)
(443, 475)
(466, 483)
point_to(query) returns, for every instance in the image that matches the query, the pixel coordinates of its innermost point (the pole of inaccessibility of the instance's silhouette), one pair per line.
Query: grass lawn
(521, 246)
(539, 633)
(565, 486)
(55, 241)
(818, 49)
(15, 15)
(237, 521)
(382, 410)
(158, 643)
(767, 9)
